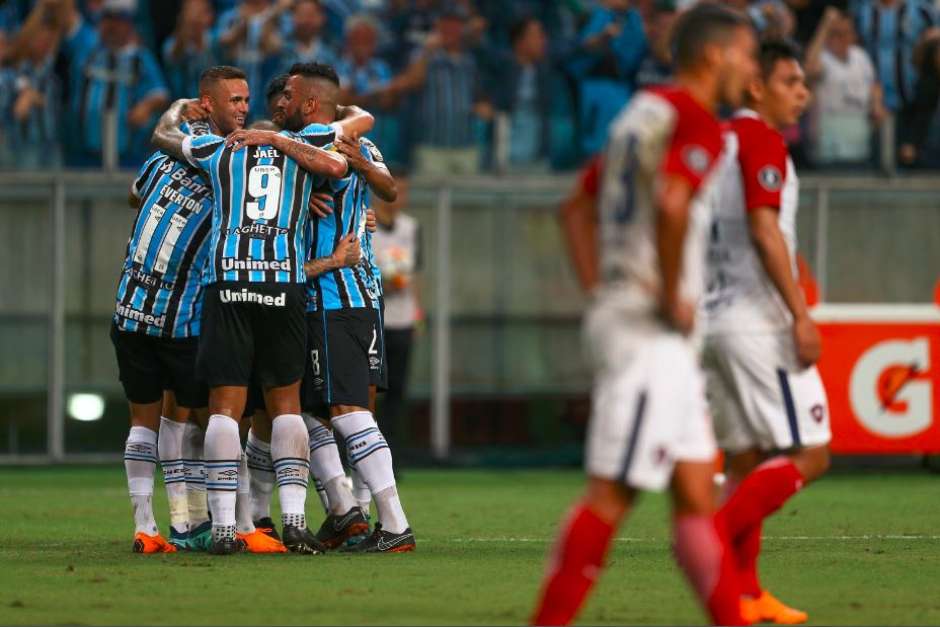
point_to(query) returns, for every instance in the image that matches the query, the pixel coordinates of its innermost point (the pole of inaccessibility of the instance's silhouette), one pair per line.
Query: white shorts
(648, 407)
(760, 397)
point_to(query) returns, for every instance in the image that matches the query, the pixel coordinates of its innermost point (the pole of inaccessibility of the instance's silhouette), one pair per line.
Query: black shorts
(341, 348)
(149, 365)
(378, 364)
(252, 332)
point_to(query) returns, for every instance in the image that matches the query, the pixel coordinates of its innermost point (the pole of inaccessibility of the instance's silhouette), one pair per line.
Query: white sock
(369, 453)
(140, 459)
(321, 492)
(223, 457)
(243, 523)
(290, 452)
(261, 468)
(198, 507)
(170, 448)
(327, 467)
(360, 490)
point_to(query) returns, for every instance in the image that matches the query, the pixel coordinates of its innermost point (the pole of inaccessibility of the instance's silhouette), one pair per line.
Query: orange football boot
(151, 544)
(259, 542)
(767, 608)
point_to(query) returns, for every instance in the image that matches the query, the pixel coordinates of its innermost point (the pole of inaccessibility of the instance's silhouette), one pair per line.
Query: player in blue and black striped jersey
(253, 328)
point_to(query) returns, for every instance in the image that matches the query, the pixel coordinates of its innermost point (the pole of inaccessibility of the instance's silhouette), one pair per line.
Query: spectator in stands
(656, 67)
(919, 123)
(521, 89)
(612, 46)
(448, 85)
(367, 81)
(891, 31)
(116, 89)
(847, 96)
(410, 23)
(248, 36)
(191, 48)
(773, 19)
(305, 42)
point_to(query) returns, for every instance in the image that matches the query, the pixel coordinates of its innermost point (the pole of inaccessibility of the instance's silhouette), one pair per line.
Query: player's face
(227, 103)
(275, 110)
(738, 66)
(784, 93)
(295, 102)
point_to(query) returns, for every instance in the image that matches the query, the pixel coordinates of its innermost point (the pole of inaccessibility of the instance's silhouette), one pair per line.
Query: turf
(855, 549)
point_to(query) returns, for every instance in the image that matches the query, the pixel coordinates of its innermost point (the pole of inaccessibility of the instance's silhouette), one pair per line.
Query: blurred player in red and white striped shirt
(649, 426)
(766, 395)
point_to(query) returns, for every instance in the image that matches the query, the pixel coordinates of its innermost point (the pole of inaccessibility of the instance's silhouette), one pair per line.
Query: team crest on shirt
(770, 178)
(696, 158)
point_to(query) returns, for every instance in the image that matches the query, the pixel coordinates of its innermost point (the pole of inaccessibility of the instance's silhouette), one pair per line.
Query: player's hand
(371, 224)
(320, 204)
(679, 314)
(249, 137)
(139, 114)
(348, 252)
(349, 148)
(195, 111)
(807, 340)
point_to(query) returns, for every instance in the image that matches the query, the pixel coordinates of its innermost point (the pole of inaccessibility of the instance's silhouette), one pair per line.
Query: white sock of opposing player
(261, 467)
(243, 523)
(140, 459)
(327, 467)
(170, 448)
(290, 452)
(223, 457)
(360, 490)
(369, 453)
(193, 437)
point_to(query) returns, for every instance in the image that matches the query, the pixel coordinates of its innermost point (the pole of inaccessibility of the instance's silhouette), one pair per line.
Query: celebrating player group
(684, 233)
(249, 294)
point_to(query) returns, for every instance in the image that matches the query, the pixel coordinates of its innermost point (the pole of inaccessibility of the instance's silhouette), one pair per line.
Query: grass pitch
(854, 549)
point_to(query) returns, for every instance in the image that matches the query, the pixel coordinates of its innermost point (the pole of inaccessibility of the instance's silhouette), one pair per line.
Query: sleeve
(371, 152)
(318, 135)
(198, 150)
(762, 155)
(692, 148)
(150, 82)
(589, 180)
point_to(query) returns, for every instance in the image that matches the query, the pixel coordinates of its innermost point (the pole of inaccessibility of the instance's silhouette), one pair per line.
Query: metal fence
(503, 307)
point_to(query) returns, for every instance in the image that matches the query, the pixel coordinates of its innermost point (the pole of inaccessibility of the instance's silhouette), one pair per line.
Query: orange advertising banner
(881, 368)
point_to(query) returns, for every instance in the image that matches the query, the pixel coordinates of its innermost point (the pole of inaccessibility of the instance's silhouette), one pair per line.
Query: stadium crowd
(457, 86)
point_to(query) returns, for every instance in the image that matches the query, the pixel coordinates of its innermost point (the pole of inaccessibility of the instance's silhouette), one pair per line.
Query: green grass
(836, 550)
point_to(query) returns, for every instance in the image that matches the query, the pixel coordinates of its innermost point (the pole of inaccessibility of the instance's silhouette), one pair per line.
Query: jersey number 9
(264, 181)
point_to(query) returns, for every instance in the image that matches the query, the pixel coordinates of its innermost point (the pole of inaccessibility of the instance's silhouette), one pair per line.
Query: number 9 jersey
(661, 133)
(260, 212)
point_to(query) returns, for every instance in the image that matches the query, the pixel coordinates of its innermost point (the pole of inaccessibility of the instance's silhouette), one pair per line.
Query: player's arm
(346, 255)
(775, 257)
(378, 177)
(352, 121)
(167, 136)
(311, 158)
(672, 221)
(578, 217)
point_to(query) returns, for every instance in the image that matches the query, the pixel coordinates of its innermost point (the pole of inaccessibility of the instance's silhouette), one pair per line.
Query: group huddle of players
(250, 294)
(684, 231)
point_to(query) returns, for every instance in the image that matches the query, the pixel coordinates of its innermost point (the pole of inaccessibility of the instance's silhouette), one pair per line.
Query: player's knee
(609, 500)
(740, 464)
(813, 463)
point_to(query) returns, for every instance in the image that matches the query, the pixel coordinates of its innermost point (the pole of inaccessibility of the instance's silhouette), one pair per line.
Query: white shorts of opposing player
(760, 396)
(648, 403)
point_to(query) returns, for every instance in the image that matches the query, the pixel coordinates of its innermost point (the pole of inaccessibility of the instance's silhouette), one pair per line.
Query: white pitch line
(772, 538)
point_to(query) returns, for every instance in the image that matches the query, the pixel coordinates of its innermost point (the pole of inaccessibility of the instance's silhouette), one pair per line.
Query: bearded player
(768, 401)
(649, 426)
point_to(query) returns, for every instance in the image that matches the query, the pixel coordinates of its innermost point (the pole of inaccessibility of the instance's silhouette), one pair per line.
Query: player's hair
(773, 50)
(217, 73)
(315, 70)
(703, 24)
(518, 28)
(276, 86)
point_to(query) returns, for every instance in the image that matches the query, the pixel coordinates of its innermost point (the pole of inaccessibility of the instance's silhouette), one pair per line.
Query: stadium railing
(503, 307)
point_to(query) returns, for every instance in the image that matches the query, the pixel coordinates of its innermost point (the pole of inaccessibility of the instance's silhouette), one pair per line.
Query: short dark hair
(703, 24)
(276, 86)
(518, 28)
(773, 50)
(315, 70)
(218, 73)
